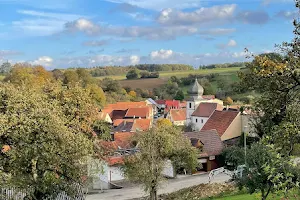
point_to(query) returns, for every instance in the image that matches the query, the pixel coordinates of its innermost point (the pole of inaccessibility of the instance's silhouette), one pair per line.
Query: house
(138, 113)
(209, 145)
(167, 105)
(177, 116)
(203, 113)
(132, 125)
(227, 123)
(196, 98)
(105, 117)
(155, 106)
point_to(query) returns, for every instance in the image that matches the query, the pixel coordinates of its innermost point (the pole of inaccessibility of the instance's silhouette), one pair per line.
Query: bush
(132, 74)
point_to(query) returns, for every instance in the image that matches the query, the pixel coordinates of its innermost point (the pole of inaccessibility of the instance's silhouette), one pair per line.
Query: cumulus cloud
(44, 61)
(134, 60)
(145, 32)
(83, 25)
(230, 43)
(203, 15)
(96, 43)
(253, 17)
(161, 54)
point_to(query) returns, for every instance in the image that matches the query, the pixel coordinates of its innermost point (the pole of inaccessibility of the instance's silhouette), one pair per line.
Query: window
(202, 121)
(196, 120)
(190, 105)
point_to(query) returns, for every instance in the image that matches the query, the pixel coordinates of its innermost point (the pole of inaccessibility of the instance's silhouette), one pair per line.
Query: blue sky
(87, 33)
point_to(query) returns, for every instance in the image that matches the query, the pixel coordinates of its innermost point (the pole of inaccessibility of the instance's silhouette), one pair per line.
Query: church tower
(195, 96)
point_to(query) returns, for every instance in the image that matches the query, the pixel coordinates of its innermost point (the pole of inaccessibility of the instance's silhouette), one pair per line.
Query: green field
(180, 74)
(1, 77)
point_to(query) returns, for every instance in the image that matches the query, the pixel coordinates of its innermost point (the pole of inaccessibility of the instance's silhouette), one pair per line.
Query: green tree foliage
(71, 77)
(179, 95)
(47, 149)
(102, 129)
(155, 148)
(58, 74)
(97, 94)
(277, 79)
(234, 156)
(224, 65)
(133, 74)
(110, 85)
(5, 68)
(267, 171)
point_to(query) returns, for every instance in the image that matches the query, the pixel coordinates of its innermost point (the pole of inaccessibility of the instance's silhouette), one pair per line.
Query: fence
(16, 194)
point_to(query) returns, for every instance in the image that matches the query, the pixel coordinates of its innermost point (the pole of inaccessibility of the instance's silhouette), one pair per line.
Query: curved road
(168, 186)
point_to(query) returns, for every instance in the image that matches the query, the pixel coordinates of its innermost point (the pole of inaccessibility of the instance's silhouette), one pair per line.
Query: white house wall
(197, 121)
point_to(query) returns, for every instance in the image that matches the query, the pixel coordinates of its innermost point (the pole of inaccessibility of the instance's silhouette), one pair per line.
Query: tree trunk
(153, 194)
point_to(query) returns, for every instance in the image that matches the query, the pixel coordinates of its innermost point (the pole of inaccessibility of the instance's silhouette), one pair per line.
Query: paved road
(168, 187)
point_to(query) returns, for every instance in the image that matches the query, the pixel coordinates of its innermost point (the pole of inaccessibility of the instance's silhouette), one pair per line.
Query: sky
(89, 33)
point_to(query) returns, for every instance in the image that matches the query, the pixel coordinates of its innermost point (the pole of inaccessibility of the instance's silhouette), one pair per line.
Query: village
(212, 127)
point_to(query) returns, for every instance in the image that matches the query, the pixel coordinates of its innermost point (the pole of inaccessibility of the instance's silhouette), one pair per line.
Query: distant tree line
(135, 74)
(223, 65)
(117, 70)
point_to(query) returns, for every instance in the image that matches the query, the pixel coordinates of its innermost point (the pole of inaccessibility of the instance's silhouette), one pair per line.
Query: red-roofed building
(177, 116)
(138, 113)
(203, 113)
(227, 123)
(209, 144)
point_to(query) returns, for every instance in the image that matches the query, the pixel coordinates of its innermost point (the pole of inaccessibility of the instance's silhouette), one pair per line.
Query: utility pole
(245, 143)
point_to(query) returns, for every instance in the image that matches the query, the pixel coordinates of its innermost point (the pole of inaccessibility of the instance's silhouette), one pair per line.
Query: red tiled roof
(208, 97)
(161, 102)
(138, 112)
(212, 143)
(172, 103)
(132, 125)
(115, 160)
(206, 109)
(220, 120)
(178, 114)
(118, 114)
(183, 104)
(141, 124)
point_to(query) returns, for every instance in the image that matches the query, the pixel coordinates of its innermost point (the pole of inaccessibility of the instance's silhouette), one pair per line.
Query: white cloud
(161, 54)
(253, 17)
(134, 59)
(203, 15)
(44, 61)
(145, 32)
(231, 43)
(288, 14)
(83, 25)
(267, 2)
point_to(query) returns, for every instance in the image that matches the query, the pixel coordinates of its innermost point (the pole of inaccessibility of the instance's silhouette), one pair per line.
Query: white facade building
(199, 109)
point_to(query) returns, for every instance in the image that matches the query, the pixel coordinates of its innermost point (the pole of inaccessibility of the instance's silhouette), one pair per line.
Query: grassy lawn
(1, 77)
(180, 74)
(294, 195)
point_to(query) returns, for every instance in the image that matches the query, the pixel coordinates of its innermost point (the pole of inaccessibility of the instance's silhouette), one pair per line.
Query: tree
(58, 74)
(132, 94)
(5, 68)
(179, 95)
(277, 79)
(132, 74)
(22, 73)
(228, 101)
(85, 77)
(97, 94)
(110, 85)
(71, 77)
(164, 122)
(44, 151)
(102, 129)
(267, 171)
(156, 146)
(234, 156)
